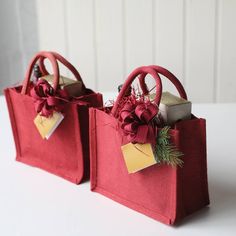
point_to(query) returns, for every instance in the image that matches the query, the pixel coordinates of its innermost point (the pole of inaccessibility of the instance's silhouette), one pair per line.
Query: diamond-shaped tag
(47, 125)
(138, 156)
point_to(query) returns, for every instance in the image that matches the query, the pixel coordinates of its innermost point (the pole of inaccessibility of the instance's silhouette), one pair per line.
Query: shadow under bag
(66, 152)
(162, 192)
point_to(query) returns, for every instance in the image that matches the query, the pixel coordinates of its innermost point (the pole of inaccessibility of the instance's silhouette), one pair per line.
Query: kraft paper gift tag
(138, 156)
(47, 125)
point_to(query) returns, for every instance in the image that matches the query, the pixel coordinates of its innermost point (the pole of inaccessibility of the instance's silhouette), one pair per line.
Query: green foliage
(165, 152)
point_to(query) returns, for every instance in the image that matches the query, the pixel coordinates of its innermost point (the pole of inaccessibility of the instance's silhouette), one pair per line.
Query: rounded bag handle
(64, 62)
(139, 71)
(55, 67)
(168, 75)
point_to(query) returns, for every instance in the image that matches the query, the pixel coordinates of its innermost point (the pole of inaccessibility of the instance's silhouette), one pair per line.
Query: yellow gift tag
(138, 156)
(46, 126)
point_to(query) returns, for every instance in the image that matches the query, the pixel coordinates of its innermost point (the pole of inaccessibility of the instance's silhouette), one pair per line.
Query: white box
(173, 108)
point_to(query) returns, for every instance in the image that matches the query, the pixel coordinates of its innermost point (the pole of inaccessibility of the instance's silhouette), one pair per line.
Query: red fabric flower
(137, 121)
(46, 101)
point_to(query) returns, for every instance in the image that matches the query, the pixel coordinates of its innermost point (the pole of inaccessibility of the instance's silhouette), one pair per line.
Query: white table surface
(36, 203)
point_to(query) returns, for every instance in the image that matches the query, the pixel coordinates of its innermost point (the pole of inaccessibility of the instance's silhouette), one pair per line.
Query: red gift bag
(66, 152)
(160, 191)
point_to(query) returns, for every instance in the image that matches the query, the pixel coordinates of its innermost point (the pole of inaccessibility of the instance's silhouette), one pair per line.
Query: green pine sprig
(164, 151)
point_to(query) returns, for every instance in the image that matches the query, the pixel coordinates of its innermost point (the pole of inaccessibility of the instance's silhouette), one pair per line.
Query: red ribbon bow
(46, 101)
(137, 121)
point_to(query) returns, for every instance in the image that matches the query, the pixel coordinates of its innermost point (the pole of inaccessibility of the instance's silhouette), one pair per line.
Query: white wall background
(107, 39)
(18, 38)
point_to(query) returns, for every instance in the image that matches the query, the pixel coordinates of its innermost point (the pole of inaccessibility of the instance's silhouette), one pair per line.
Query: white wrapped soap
(173, 108)
(74, 88)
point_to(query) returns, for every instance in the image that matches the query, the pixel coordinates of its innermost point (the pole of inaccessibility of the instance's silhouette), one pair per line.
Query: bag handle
(139, 71)
(55, 67)
(64, 62)
(168, 75)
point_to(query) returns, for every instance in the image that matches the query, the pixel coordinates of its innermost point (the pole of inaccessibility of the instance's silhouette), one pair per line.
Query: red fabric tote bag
(162, 192)
(66, 152)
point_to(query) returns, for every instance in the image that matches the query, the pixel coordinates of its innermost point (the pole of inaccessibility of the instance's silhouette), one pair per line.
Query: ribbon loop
(46, 101)
(137, 121)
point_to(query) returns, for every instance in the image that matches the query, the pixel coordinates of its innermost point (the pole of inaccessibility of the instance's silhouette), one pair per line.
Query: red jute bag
(66, 152)
(162, 192)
